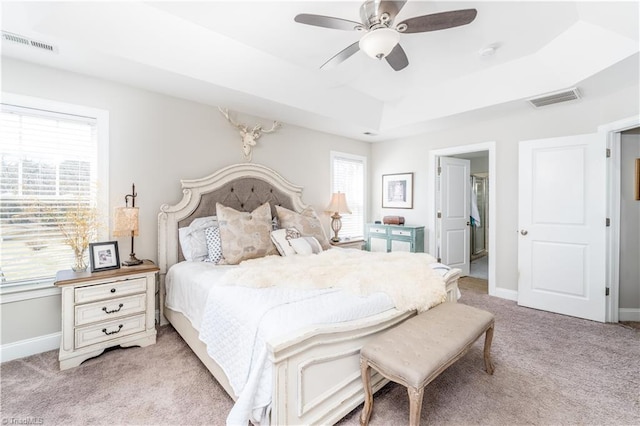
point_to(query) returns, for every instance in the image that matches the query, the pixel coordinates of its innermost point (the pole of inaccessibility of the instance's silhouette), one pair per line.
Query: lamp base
(336, 225)
(133, 261)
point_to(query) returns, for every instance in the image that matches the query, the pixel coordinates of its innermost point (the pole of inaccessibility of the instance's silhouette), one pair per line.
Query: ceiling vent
(18, 39)
(555, 98)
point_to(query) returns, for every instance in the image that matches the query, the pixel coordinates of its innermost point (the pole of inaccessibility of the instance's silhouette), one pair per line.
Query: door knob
(524, 232)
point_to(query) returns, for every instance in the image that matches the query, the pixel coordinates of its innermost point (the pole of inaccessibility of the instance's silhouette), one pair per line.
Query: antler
(276, 125)
(225, 112)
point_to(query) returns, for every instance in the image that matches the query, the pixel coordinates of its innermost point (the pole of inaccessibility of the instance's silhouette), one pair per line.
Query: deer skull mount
(249, 136)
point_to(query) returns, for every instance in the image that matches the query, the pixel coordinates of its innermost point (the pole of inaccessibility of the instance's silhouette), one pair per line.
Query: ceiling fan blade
(327, 22)
(397, 58)
(439, 21)
(392, 7)
(341, 56)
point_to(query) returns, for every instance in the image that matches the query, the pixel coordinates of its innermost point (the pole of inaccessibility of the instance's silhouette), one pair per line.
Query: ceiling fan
(381, 36)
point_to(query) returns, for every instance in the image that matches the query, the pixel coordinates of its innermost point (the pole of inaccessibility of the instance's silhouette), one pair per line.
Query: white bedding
(235, 323)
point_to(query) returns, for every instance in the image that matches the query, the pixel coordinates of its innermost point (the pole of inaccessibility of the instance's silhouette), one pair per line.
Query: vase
(80, 264)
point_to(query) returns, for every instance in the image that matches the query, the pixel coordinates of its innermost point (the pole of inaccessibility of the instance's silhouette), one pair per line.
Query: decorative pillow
(307, 222)
(440, 268)
(281, 239)
(244, 235)
(214, 246)
(306, 245)
(192, 239)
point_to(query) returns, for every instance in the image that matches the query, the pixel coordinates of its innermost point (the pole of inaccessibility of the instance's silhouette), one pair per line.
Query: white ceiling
(253, 58)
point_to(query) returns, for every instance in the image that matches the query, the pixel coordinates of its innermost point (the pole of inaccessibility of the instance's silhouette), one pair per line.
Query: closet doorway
(481, 253)
(478, 217)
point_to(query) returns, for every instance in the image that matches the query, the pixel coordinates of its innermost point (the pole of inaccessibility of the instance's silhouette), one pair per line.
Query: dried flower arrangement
(79, 225)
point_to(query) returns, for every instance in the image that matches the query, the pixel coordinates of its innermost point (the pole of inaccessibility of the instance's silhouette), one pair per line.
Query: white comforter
(236, 322)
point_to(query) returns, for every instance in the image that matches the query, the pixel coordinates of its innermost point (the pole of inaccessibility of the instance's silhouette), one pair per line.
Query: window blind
(348, 177)
(49, 167)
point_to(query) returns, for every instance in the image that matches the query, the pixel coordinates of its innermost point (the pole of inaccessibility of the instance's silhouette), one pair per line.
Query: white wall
(156, 140)
(411, 154)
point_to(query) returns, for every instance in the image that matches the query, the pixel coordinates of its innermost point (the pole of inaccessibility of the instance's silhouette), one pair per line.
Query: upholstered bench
(418, 350)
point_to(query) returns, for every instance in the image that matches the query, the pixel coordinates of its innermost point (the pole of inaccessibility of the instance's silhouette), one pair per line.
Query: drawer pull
(113, 290)
(108, 333)
(114, 310)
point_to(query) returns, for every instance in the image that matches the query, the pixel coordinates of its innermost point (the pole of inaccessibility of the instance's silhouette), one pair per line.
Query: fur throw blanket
(406, 278)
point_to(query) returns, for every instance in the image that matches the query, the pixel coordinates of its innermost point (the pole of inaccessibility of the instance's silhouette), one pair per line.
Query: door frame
(431, 208)
(611, 134)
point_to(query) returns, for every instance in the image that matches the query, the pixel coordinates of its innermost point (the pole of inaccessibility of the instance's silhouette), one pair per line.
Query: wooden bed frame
(316, 372)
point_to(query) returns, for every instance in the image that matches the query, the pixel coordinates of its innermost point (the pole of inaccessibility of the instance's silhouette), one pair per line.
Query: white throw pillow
(440, 268)
(306, 245)
(192, 239)
(282, 240)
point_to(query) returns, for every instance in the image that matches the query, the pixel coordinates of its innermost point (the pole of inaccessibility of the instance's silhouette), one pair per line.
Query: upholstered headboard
(243, 194)
(241, 186)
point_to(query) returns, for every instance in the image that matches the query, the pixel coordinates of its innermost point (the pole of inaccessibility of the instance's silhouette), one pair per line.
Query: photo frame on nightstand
(104, 256)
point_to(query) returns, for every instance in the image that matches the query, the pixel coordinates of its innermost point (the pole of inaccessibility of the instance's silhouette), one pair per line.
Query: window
(49, 166)
(348, 176)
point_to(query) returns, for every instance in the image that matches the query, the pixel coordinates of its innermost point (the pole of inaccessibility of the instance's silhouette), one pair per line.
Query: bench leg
(415, 405)
(365, 370)
(488, 364)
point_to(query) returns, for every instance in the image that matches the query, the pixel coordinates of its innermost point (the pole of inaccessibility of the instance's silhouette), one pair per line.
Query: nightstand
(388, 238)
(105, 309)
(356, 243)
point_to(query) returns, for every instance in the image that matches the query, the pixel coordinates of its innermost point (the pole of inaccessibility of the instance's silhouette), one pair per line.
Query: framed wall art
(104, 256)
(397, 191)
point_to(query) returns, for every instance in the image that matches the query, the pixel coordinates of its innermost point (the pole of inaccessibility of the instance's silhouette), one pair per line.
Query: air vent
(555, 98)
(15, 38)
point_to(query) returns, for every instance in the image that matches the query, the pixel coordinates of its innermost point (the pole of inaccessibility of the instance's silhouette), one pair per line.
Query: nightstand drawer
(375, 230)
(402, 232)
(110, 290)
(110, 309)
(109, 330)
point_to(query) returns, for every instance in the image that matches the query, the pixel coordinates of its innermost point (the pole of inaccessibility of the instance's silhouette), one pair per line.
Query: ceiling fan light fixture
(380, 42)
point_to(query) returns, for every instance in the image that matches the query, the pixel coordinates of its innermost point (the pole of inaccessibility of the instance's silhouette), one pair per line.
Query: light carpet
(550, 370)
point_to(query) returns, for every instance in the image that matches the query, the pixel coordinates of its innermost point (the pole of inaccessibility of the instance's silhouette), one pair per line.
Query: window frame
(43, 287)
(355, 157)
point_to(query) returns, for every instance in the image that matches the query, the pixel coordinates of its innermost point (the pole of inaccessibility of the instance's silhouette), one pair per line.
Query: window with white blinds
(348, 176)
(49, 167)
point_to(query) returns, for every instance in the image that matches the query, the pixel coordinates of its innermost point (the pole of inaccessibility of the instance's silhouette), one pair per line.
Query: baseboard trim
(27, 347)
(629, 314)
(504, 293)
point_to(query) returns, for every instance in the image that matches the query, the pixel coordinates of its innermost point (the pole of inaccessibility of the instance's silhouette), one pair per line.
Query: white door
(562, 214)
(453, 211)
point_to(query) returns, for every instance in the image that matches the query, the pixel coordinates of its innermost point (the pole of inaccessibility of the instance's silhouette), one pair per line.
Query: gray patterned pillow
(214, 247)
(307, 222)
(244, 235)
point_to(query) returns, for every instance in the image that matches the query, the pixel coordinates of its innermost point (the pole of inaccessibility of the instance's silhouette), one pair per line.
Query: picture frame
(104, 256)
(397, 191)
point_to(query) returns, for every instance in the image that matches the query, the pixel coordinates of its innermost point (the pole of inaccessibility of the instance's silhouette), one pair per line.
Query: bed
(314, 370)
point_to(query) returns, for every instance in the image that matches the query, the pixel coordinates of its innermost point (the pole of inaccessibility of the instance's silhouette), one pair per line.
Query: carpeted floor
(550, 370)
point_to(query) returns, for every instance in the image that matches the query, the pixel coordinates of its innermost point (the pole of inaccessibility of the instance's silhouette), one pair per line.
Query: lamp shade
(379, 43)
(125, 222)
(338, 203)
